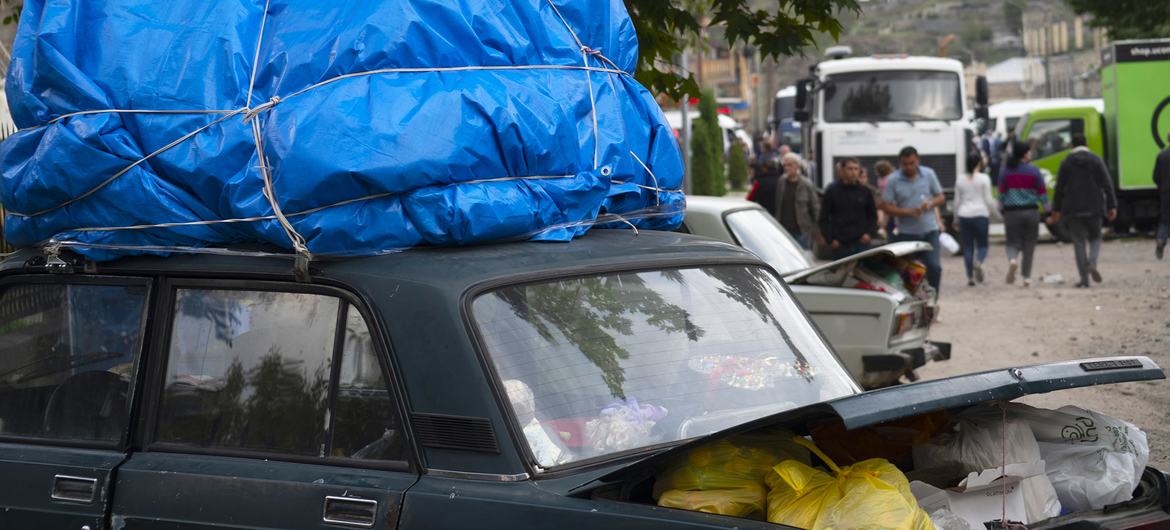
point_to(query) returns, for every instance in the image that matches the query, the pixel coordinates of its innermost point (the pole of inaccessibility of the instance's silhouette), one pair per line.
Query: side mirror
(801, 113)
(981, 91)
(801, 94)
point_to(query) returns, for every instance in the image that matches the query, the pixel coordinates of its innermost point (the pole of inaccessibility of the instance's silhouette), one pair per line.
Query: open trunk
(887, 268)
(1149, 508)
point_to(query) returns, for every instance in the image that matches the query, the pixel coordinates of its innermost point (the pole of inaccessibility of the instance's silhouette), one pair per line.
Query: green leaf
(783, 28)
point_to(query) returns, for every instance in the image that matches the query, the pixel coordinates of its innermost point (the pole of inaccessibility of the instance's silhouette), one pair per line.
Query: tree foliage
(1127, 19)
(1013, 15)
(707, 150)
(774, 27)
(737, 166)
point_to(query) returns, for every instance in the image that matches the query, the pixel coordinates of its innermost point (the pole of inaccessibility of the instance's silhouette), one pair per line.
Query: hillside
(987, 31)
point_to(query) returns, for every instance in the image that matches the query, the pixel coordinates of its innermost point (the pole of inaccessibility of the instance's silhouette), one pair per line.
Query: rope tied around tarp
(252, 115)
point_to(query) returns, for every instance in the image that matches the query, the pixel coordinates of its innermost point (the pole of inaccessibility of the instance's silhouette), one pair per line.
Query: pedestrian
(912, 193)
(797, 204)
(883, 168)
(973, 207)
(1083, 192)
(848, 217)
(1021, 193)
(1162, 180)
(764, 181)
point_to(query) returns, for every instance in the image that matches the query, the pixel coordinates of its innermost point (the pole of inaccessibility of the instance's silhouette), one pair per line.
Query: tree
(737, 166)
(707, 149)
(1013, 15)
(1127, 19)
(785, 27)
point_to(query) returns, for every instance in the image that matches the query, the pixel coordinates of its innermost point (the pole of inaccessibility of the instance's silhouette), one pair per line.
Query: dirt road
(997, 325)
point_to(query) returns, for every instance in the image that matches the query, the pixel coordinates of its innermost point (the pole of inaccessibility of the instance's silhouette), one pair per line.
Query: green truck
(1128, 132)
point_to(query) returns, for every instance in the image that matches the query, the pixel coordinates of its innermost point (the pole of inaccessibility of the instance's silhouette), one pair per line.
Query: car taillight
(903, 322)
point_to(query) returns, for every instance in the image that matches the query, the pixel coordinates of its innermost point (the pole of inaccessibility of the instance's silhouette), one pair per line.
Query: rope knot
(250, 114)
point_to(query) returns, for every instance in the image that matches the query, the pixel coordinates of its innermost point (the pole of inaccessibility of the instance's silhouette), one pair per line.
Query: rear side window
(67, 358)
(252, 370)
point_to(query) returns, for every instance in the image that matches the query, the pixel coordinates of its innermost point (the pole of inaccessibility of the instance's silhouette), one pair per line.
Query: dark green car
(520, 385)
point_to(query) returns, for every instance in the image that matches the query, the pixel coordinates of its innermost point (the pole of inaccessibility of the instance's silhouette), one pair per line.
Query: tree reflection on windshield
(750, 287)
(869, 100)
(589, 311)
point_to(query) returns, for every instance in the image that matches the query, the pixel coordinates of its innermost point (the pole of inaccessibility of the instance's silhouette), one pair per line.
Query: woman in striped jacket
(1022, 194)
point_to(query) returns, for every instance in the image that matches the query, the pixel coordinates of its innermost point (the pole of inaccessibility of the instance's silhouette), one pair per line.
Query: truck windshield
(611, 363)
(892, 95)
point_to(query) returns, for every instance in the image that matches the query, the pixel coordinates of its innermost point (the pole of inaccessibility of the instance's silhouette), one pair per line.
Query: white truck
(869, 108)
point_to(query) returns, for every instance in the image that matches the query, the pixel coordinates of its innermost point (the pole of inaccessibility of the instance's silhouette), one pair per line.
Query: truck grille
(943, 166)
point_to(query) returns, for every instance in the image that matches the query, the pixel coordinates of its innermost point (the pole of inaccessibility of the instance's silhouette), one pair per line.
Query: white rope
(301, 213)
(651, 173)
(256, 56)
(627, 218)
(130, 111)
(585, 52)
(123, 171)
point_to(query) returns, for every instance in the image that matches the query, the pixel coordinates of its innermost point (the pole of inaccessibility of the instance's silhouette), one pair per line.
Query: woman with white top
(973, 207)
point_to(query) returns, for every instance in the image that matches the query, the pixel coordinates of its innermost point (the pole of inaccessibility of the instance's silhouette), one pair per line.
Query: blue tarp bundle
(383, 125)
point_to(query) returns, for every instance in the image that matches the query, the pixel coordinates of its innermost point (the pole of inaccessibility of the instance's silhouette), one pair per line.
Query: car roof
(455, 267)
(717, 205)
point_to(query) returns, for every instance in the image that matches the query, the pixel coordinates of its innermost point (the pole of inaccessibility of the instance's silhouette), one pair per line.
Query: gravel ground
(997, 325)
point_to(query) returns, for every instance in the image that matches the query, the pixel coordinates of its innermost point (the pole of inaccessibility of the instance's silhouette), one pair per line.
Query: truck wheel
(1059, 232)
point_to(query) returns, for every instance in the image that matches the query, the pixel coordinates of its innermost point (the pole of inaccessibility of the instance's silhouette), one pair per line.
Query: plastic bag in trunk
(1093, 460)
(981, 438)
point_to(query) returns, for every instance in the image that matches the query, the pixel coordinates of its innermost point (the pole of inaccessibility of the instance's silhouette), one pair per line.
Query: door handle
(73, 489)
(350, 511)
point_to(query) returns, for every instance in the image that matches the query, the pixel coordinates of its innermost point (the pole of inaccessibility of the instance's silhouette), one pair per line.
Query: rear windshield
(611, 363)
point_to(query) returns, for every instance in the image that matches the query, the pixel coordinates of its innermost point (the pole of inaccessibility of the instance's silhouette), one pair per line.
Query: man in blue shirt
(911, 195)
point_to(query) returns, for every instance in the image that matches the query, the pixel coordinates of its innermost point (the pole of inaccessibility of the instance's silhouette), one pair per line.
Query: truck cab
(869, 108)
(1052, 129)
(1128, 131)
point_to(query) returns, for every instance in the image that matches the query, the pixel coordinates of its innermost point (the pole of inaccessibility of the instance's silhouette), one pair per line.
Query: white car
(876, 320)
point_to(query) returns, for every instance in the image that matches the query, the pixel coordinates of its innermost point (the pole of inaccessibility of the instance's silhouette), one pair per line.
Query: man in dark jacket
(1162, 179)
(1084, 192)
(848, 213)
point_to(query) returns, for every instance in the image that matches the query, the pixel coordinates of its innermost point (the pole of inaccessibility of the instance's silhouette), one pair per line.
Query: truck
(1128, 134)
(785, 128)
(869, 108)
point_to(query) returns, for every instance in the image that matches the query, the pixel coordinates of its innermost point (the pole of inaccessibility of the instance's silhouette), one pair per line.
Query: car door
(269, 409)
(69, 355)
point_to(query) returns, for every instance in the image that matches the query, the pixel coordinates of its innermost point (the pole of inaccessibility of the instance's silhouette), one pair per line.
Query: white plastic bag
(948, 243)
(1093, 460)
(976, 443)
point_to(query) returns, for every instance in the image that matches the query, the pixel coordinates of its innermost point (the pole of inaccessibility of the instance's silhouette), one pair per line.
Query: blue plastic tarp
(384, 125)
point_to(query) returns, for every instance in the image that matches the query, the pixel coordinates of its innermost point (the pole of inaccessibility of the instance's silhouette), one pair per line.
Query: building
(1068, 49)
(1015, 78)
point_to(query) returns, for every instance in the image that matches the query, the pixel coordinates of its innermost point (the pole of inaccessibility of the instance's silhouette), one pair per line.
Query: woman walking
(1021, 193)
(973, 205)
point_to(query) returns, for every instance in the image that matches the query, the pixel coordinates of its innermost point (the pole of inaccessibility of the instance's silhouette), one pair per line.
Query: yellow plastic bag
(730, 463)
(871, 494)
(748, 501)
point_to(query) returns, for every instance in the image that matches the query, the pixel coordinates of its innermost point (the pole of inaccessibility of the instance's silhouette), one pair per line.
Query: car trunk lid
(834, 273)
(903, 401)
